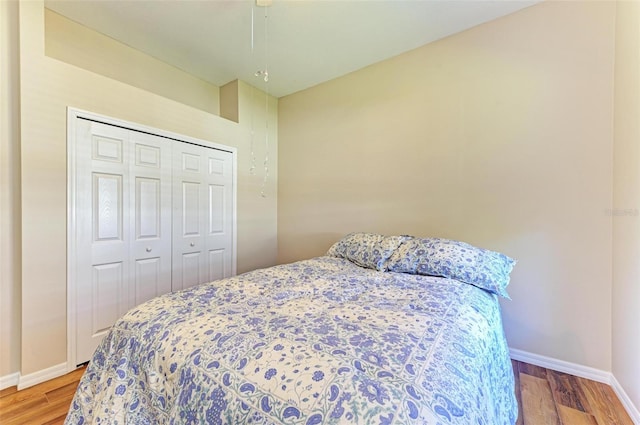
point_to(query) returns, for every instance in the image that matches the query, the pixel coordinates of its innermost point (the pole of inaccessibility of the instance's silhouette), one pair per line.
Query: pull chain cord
(266, 147)
(252, 168)
(266, 105)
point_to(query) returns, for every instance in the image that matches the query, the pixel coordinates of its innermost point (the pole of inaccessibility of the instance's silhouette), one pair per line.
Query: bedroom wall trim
(9, 380)
(581, 371)
(632, 410)
(562, 366)
(26, 381)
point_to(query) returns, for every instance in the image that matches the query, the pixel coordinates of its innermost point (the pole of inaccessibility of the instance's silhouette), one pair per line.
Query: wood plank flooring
(545, 397)
(46, 403)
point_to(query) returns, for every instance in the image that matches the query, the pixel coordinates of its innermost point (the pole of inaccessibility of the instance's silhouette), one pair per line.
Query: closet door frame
(73, 115)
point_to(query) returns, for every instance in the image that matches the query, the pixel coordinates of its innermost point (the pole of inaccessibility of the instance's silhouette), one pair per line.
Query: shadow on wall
(572, 348)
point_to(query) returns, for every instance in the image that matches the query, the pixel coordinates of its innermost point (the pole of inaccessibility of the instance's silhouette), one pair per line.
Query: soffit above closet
(309, 42)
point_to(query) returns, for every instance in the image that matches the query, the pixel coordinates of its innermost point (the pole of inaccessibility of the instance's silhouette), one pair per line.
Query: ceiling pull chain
(264, 73)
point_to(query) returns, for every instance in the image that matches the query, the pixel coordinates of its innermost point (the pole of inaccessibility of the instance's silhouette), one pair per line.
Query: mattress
(320, 341)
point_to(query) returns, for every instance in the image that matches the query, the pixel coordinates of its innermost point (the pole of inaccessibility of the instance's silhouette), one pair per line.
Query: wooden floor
(544, 397)
(46, 403)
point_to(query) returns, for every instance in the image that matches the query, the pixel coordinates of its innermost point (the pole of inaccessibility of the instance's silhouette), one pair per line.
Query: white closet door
(124, 226)
(103, 214)
(219, 213)
(150, 214)
(150, 194)
(202, 215)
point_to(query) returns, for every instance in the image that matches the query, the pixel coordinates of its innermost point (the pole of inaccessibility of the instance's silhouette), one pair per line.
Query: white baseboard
(43, 375)
(632, 410)
(9, 380)
(562, 366)
(583, 372)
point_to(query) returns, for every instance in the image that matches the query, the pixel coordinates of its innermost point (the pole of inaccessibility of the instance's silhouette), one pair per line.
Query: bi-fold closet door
(152, 215)
(201, 210)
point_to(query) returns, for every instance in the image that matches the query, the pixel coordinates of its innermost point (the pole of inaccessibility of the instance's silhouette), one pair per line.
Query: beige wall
(626, 202)
(500, 136)
(247, 105)
(9, 193)
(229, 105)
(260, 234)
(48, 86)
(75, 44)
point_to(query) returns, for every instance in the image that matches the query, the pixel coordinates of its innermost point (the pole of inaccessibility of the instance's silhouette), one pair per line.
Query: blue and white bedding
(321, 341)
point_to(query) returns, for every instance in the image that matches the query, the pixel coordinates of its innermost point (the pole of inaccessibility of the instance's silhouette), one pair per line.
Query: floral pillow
(368, 250)
(485, 269)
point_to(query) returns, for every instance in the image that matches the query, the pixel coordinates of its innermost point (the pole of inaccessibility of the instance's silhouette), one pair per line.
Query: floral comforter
(320, 341)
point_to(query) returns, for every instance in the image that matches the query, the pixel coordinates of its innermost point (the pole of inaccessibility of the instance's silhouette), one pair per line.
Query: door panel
(219, 213)
(148, 279)
(203, 227)
(147, 212)
(147, 156)
(190, 269)
(107, 148)
(216, 166)
(106, 299)
(191, 161)
(216, 210)
(150, 194)
(191, 194)
(102, 209)
(189, 256)
(107, 207)
(217, 264)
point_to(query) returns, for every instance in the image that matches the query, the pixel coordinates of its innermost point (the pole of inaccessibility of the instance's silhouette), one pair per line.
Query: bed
(374, 332)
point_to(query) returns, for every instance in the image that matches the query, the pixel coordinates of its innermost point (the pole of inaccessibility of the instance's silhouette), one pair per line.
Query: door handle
(148, 249)
(192, 244)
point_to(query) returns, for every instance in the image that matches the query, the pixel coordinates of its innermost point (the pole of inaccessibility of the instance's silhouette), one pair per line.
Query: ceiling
(301, 42)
